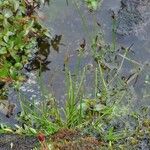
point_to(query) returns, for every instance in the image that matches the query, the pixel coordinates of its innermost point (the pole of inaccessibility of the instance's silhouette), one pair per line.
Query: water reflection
(56, 42)
(54, 54)
(40, 59)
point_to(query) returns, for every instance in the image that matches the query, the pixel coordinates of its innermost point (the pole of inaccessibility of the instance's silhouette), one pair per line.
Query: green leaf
(7, 13)
(3, 50)
(4, 71)
(16, 5)
(47, 34)
(28, 28)
(18, 66)
(6, 38)
(13, 73)
(94, 5)
(14, 55)
(5, 22)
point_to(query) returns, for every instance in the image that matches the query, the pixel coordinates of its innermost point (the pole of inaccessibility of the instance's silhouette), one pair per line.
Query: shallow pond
(70, 26)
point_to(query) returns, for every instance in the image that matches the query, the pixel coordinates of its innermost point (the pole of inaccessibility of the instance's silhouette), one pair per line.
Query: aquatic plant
(93, 4)
(20, 30)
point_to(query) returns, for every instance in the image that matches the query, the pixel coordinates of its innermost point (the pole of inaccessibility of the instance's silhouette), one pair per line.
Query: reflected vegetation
(45, 46)
(56, 42)
(99, 96)
(40, 60)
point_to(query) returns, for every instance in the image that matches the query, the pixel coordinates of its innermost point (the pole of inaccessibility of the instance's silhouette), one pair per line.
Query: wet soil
(16, 142)
(67, 139)
(71, 139)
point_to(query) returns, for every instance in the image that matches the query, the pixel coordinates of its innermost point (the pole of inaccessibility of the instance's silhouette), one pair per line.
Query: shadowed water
(71, 25)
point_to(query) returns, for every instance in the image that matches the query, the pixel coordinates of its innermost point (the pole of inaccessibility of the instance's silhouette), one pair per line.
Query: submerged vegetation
(105, 118)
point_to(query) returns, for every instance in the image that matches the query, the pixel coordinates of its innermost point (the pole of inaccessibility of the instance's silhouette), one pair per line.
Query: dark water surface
(70, 26)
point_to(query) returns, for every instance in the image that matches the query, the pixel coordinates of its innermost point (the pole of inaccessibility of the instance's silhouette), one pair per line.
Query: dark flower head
(41, 137)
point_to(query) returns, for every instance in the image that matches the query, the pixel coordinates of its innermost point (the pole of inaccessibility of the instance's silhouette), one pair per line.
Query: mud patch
(16, 142)
(67, 139)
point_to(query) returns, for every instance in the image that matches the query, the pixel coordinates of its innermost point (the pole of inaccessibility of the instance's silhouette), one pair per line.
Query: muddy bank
(16, 142)
(65, 139)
